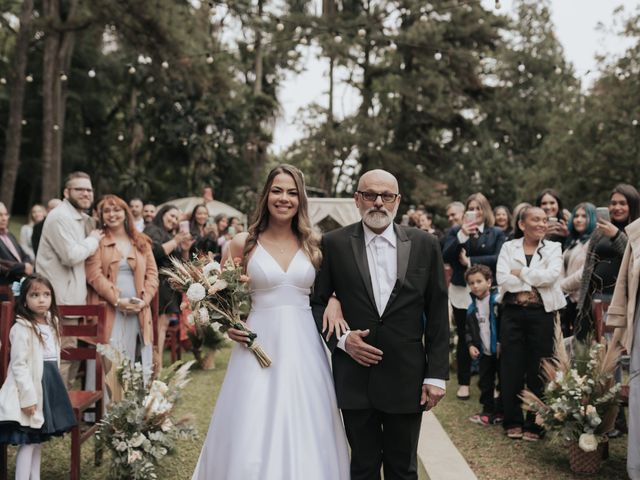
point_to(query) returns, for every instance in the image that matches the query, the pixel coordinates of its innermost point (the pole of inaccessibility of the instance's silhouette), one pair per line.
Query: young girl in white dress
(34, 404)
(280, 422)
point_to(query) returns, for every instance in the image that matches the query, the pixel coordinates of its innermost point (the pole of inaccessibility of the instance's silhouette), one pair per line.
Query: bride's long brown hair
(301, 225)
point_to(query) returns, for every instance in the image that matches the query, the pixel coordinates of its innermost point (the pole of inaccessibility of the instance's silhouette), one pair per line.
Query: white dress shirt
(382, 258)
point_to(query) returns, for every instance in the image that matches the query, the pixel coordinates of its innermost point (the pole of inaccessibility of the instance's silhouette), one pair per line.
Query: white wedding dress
(280, 422)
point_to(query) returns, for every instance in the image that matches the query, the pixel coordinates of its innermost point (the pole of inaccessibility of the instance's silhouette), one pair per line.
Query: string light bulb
(438, 56)
(24, 122)
(558, 70)
(337, 39)
(63, 77)
(280, 27)
(250, 47)
(87, 131)
(3, 81)
(91, 73)
(498, 5)
(521, 67)
(120, 137)
(152, 139)
(29, 78)
(634, 122)
(209, 59)
(362, 32)
(56, 127)
(165, 64)
(132, 70)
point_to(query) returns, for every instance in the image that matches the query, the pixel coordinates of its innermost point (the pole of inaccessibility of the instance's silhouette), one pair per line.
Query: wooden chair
(6, 319)
(83, 400)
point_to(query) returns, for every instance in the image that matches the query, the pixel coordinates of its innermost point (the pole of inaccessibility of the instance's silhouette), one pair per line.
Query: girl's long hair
(509, 216)
(22, 310)
(301, 225)
(139, 240)
(489, 219)
(158, 220)
(193, 224)
(554, 194)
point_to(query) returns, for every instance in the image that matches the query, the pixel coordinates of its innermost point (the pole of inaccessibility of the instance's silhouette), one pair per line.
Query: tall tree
(17, 82)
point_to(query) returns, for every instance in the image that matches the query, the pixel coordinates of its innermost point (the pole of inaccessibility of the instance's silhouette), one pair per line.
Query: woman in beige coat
(623, 314)
(123, 274)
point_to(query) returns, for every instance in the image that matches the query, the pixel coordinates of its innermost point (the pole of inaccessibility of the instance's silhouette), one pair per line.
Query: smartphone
(470, 216)
(231, 231)
(135, 300)
(184, 226)
(552, 220)
(603, 213)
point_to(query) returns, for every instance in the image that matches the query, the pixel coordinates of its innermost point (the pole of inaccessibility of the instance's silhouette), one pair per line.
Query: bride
(280, 422)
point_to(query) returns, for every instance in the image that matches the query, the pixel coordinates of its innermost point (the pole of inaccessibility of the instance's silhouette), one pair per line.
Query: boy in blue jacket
(482, 341)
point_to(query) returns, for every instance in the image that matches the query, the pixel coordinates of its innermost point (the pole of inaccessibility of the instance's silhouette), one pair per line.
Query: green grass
(491, 455)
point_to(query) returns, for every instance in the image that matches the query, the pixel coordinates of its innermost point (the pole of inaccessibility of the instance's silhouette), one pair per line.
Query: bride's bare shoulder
(237, 243)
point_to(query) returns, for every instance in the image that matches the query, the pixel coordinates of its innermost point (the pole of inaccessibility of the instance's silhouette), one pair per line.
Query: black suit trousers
(380, 439)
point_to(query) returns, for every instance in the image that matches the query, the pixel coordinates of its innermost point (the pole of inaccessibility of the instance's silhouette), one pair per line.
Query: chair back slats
(91, 331)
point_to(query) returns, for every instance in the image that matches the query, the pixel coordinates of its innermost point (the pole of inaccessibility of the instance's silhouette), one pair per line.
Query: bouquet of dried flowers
(140, 429)
(217, 295)
(580, 400)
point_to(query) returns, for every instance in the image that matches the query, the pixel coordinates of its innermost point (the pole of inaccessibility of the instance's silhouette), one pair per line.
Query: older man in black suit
(14, 262)
(394, 362)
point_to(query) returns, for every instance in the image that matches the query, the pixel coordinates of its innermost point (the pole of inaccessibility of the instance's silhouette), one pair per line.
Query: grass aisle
(491, 455)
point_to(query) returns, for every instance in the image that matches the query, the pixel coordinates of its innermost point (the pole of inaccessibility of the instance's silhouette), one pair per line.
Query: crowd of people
(546, 262)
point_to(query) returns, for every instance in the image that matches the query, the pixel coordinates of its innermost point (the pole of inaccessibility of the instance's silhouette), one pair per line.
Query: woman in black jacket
(477, 240)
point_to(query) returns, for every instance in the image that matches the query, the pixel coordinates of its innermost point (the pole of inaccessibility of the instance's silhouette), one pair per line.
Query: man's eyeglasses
(372, 196)
(81, 190)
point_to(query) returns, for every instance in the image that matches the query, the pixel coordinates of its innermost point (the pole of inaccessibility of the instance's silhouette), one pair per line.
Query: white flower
(121, 446)
(219, 285)
(191, 319)
(161, 407)
(588, 442)
(158, 389)
(203, 313)
(590, 410)
(134, 456)
(211, 267)
(196, 292)
(215, 326)
(137, 440)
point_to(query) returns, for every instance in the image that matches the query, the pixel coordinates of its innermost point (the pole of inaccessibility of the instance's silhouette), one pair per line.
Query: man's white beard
(374, 218)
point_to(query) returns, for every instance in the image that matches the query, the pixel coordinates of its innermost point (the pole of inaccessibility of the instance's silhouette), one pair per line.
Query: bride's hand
(332, 319)
(239, 336)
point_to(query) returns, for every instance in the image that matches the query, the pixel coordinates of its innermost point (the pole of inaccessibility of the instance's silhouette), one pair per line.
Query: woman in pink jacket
(123, 274)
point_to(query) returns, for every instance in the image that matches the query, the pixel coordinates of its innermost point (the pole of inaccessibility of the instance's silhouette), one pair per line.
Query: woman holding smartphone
(549, 201)
(167, 240)
(477, 240)
(123, 274)
(604, 255)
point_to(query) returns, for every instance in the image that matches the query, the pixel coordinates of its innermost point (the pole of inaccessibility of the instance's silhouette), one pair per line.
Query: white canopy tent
(342, 210)
(187, 204)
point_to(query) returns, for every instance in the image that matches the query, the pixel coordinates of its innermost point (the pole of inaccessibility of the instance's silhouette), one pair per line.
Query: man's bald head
(378, 176)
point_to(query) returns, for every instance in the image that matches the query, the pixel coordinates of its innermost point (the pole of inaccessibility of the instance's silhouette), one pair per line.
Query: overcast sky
(575, 21)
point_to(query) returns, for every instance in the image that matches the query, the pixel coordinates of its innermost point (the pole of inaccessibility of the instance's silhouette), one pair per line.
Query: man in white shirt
(394, 362)
(136, 206)
(68, 239)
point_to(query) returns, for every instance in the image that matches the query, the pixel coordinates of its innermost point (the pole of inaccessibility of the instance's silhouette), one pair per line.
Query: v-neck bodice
(271, 286)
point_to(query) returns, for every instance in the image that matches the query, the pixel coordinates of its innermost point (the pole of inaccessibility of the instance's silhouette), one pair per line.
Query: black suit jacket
(13, 268)
(412, 349)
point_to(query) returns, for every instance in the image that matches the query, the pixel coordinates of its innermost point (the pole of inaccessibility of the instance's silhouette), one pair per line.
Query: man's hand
(28, 269)
(360, 351)
(431, 395)
(97, 234)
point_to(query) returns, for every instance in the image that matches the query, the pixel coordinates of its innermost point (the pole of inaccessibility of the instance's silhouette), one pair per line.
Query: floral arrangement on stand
(217, 296)
(140, 429)
(580, 401)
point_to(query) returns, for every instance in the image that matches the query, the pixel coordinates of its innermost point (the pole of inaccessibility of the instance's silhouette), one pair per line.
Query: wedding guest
(16, 260)
(205, 239)
(167, 241)
(36, 233)
(549, 200)
(582, 223)
(528, 275)
(455, 211)
(426, 224)
(123, 274)
(504, 219)
(604, 255)
(136, 206)
(515, 229)
(222, 225)
(476, 241)
(623, 315)
(36, 215)
(68, 239)
(148, 213)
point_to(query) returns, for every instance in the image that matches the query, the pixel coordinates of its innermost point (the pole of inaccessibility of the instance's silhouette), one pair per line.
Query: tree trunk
(11, 162)
(58, 50)
(257, 85)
